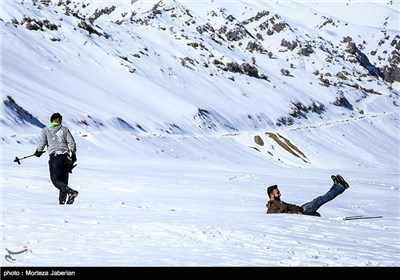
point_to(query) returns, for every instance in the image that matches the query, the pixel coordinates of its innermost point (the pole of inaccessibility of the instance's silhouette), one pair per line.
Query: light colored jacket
(58, 139)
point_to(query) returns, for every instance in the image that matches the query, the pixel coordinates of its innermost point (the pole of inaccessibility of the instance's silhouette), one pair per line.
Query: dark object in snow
(18, 160)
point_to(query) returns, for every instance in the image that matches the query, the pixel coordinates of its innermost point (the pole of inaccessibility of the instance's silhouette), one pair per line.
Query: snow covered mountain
(239, 70)
(204, 92)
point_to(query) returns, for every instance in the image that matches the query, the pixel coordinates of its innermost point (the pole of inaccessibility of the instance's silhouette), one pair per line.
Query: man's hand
(38, 153)
(73, 157)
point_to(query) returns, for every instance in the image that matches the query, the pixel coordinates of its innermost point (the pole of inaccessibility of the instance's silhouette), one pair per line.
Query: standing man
(62, 151)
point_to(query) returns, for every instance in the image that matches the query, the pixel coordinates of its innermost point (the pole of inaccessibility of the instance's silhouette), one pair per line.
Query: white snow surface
(161, 184)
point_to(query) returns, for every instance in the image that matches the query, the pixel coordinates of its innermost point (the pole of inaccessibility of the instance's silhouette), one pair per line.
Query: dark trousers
(59, 171)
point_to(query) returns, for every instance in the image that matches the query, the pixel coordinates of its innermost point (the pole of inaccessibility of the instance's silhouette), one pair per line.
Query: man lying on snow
(276, 205)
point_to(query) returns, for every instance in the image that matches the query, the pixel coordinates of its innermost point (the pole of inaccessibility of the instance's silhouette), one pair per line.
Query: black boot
(342, 181)
(71, 196)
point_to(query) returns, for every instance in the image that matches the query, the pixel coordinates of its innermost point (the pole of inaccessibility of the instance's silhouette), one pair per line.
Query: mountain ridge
(176, 67)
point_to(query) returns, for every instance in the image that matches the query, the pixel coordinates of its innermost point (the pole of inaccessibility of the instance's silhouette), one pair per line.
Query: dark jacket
(277, 206)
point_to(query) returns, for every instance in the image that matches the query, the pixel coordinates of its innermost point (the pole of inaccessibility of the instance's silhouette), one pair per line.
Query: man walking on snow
(62, 151)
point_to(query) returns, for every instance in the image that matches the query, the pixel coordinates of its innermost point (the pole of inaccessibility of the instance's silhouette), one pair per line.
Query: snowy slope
(184, 112)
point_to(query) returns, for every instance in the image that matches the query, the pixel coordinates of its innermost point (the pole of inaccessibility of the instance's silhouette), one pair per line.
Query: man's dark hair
(55, 116)
(271, 188)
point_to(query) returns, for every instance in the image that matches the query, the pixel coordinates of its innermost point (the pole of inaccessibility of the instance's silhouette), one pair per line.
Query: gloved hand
(71, 166)
(38, 153)
(73, 157)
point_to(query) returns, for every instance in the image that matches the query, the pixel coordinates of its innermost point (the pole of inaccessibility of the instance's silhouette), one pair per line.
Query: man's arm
(71, 142)
(276, 207)
(71, 145)
(42, 141)
(292, 208)
(283, 207)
